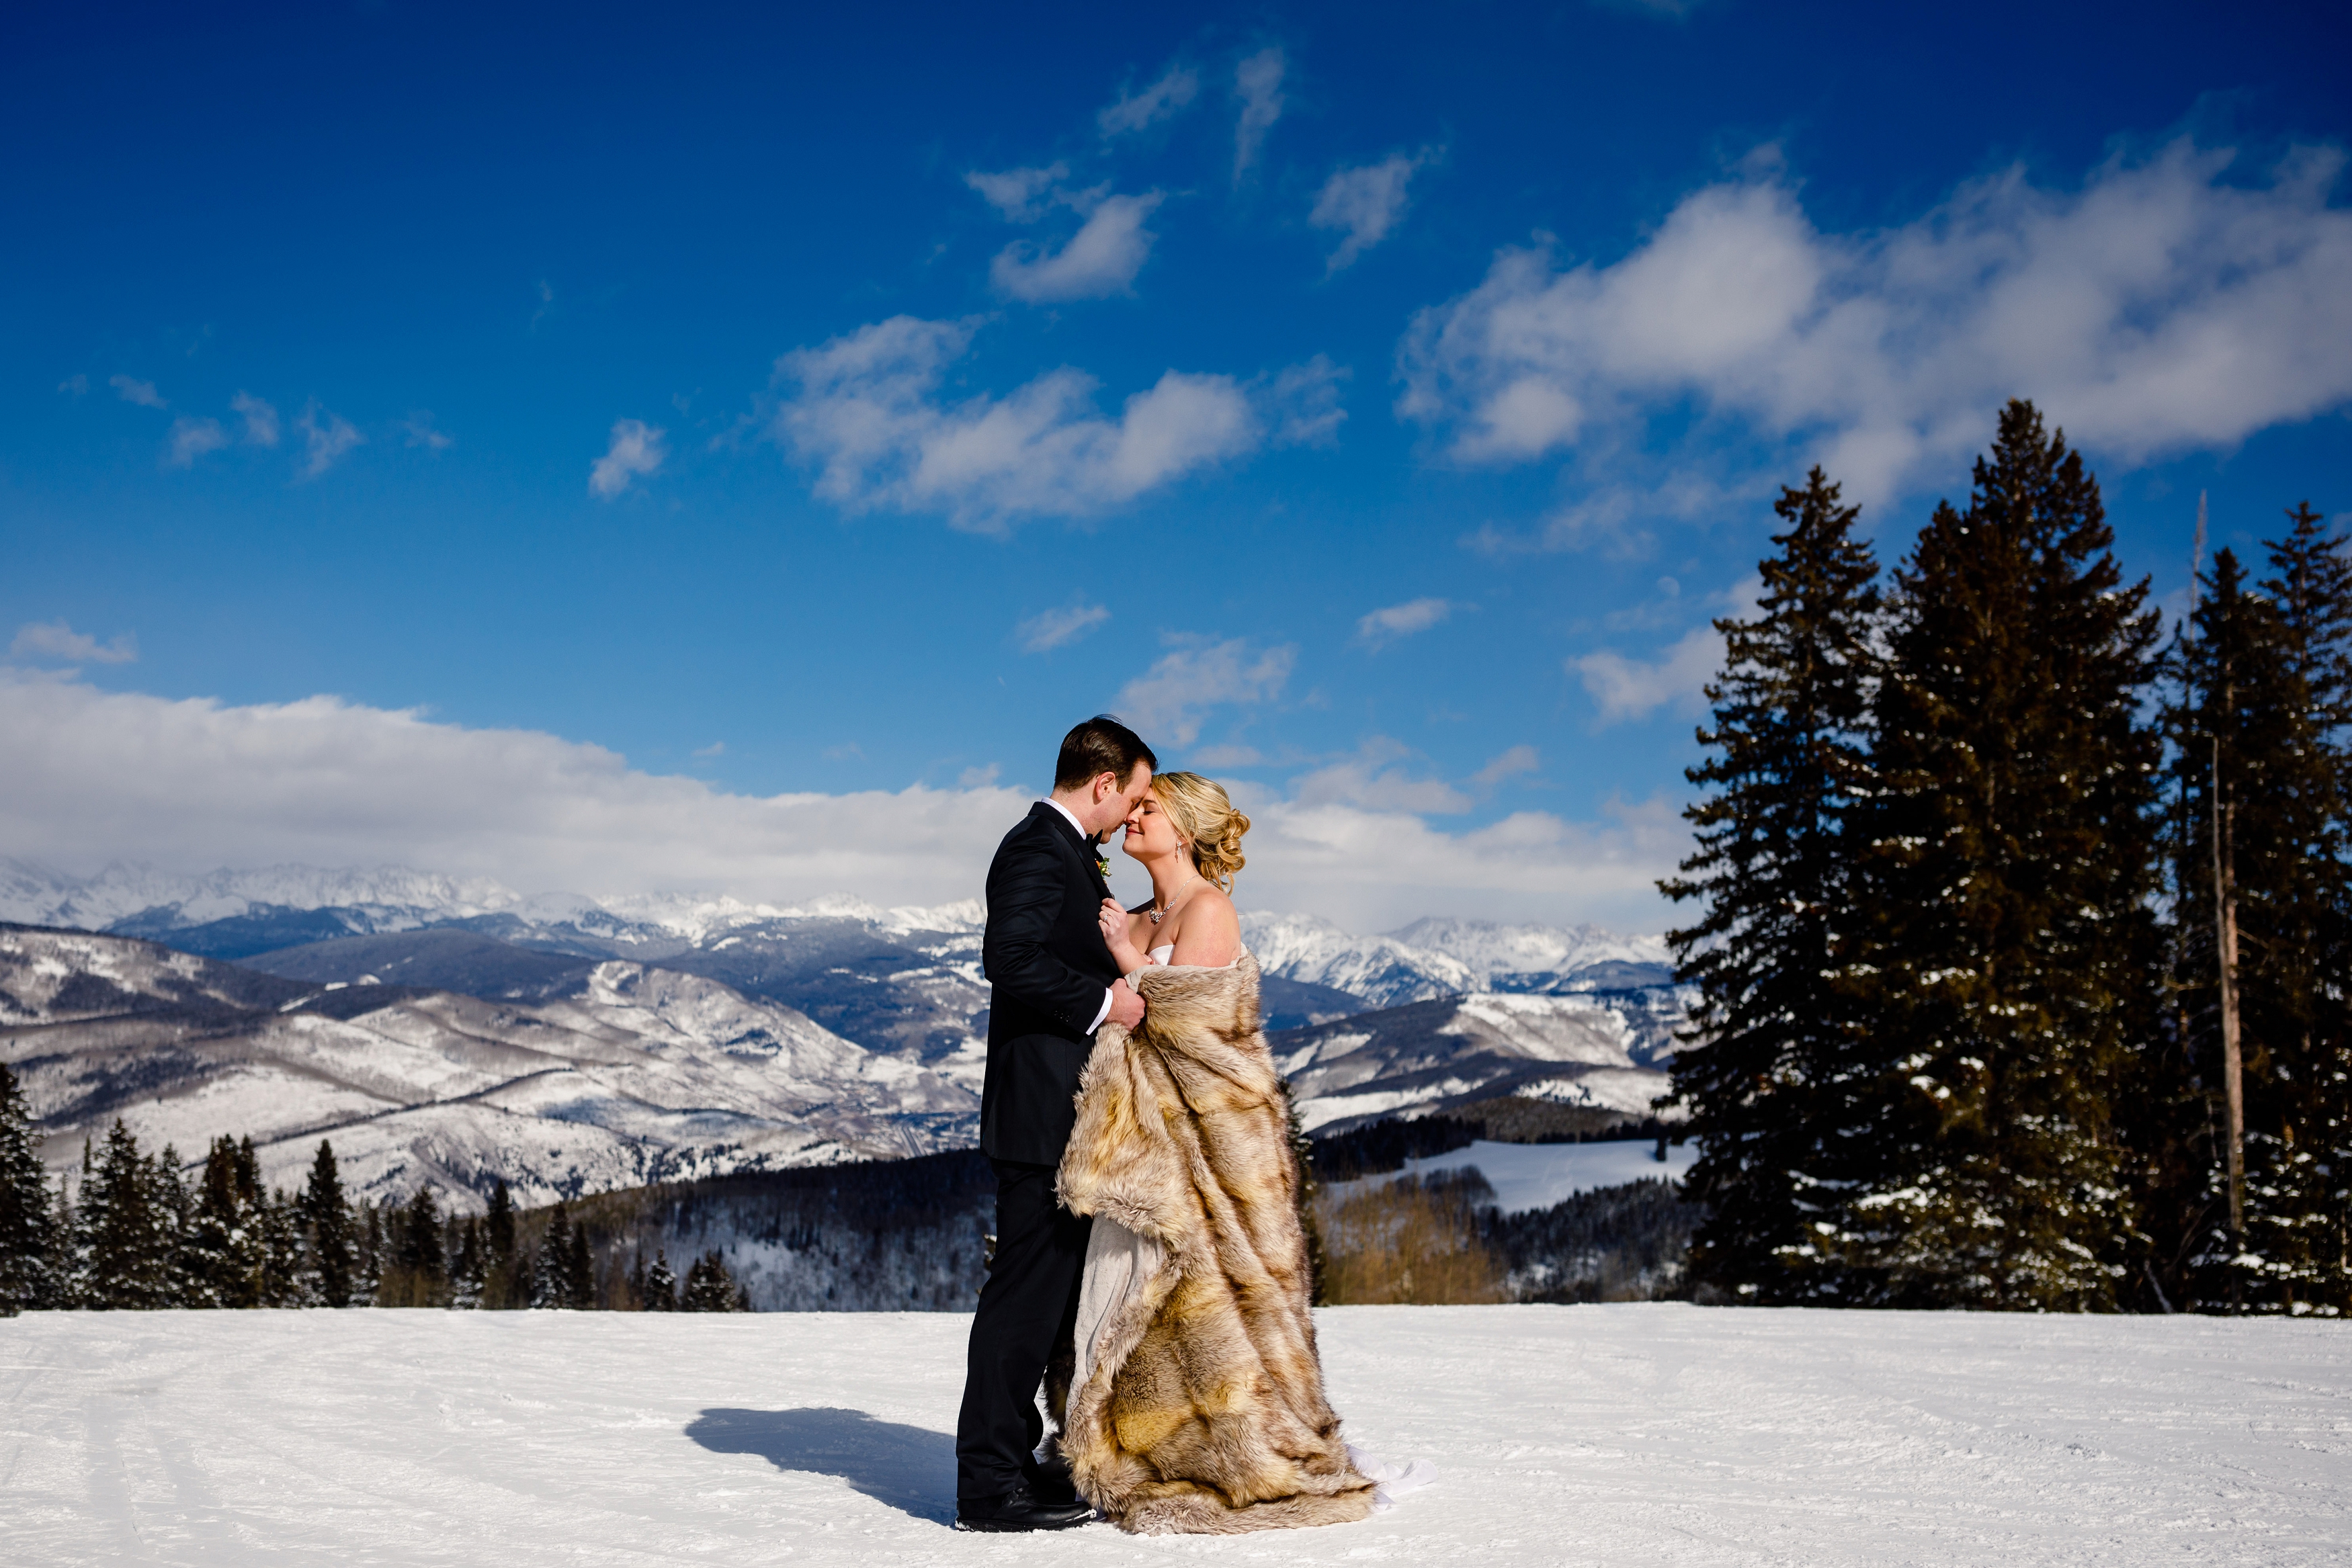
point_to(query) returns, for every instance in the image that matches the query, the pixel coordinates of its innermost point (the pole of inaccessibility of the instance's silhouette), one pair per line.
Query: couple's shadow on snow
(910, 1469)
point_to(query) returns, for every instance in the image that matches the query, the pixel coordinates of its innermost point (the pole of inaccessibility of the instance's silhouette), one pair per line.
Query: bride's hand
(1112, 917)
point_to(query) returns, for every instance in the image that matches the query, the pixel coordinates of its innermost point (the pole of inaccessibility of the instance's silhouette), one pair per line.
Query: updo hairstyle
(1205, 819)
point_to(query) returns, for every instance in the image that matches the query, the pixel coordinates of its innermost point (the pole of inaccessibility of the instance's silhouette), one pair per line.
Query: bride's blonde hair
(1205, 819)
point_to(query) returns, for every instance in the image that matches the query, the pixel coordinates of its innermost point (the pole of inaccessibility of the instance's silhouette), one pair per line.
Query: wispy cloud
(636, 451)
(1199, 674)
(866, 409)
(130, 389)
(56, 640)
(1378, 779)
(74, 385)
(422, 433)
(1162, 101)
(326, 437)
(1102, 258)
(1403, 620)
(2157, 308)
(1504, 765)
(1257, 83)
(716, 749)
(260, 419)
(1018, 194)
(1365, 204)
(191, 439)
(1625, 688)
(1055, 628)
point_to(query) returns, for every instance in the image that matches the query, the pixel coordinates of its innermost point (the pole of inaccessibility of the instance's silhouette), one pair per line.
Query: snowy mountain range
(458, 1030)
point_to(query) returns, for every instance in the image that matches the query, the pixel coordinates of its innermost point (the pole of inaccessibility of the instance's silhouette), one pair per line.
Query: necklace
(1156, 914)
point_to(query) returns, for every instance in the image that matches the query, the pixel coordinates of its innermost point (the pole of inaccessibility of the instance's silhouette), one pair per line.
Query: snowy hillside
(640, 1074)
(1665, 1434)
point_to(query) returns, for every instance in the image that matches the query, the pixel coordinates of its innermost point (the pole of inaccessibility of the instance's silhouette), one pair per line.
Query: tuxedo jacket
(1048, 967)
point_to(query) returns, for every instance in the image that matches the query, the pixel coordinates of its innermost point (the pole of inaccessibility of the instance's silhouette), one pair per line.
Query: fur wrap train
(1198, 1401)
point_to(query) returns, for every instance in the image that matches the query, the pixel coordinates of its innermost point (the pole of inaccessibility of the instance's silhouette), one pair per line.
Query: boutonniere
(1102, 865)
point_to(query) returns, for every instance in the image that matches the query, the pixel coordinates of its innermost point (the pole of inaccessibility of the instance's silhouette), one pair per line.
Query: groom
(1053, 984)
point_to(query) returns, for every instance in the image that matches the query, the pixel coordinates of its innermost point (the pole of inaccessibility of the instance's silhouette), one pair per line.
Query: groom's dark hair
(1101, 744)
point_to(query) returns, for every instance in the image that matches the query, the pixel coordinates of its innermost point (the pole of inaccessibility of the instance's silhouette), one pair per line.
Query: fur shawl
(1202, 1407)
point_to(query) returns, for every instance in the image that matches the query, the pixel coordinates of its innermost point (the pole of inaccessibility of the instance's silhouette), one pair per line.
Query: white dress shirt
(1104, 1012)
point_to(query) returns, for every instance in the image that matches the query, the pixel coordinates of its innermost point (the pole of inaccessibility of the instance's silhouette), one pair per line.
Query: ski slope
(1613, 1435)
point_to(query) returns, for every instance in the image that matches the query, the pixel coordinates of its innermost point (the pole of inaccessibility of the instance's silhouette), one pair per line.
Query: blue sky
(425, 427)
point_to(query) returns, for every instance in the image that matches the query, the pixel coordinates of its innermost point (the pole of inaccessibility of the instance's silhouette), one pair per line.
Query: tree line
(2024, 927)
(134, 1233)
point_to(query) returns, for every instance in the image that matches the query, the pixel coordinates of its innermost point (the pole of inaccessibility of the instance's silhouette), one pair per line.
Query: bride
(1190, 1396)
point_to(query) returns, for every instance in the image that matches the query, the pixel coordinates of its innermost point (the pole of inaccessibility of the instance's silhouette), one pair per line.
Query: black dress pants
(1029, 1304)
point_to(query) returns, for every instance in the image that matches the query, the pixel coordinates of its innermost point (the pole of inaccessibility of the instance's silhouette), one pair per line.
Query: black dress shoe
(1049, 1480)
(1019, 1509)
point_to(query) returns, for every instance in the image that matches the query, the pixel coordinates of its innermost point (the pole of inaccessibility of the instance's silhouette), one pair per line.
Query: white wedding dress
(1120, 1264)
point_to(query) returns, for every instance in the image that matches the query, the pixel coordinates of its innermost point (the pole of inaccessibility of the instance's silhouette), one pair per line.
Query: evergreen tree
(419, 1273)
(326, 1220)
(31, 1249)
(547, 1280)
(1766, 1075)
(2007, 964)
(710, 1288)
(503, 1285)
(129, 1237)
(222, 1254)
(368, 1279)
(579, 1272)
(659, 1292)
(285, 1276)
(470, 1273)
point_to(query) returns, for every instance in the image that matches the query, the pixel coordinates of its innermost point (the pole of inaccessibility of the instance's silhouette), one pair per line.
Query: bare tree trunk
(2225, 923)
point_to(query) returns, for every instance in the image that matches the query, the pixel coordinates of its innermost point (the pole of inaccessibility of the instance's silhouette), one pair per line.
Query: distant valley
(455, 1032)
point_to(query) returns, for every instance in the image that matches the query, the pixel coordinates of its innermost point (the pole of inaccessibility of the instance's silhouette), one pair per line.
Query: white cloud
(130, 389)
(869, 413)
(260, 419)
(56, 640)
(1303, 401)
(1509, 764)
(2157, 308)
(716, 749)
(326, 436)
(1634, 688)
(636, 449)
(1161, 100)
(1257, 83)
(1374, 779)
(421, 432)
(191, 439)
(1403, 620)
(1199, 674)
(1055, 627)
(74, 385)
(1016, 193)
(1366, 202)
(191, 785)
(1102, 258)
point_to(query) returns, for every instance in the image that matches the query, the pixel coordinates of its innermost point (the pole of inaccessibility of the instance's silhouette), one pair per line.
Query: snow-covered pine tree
(220, 1256)
(469, 1269)
(326, 1220)
(128, 1239)
(284, 1280)
(31, 1260)
(710, 1288)
(2007, 962)
(419, 1275)
(547, 1282)
(372, 1256)
(660, 1293)
(1766, 1076)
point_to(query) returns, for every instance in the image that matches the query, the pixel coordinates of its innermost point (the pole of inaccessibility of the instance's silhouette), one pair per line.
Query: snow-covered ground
(1614, 1435)
(1537, 1176)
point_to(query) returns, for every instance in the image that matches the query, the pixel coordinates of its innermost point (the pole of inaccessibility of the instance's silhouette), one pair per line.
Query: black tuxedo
(1047, 968)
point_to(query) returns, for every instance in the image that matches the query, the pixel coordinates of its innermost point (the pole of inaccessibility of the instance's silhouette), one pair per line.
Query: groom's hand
(1126, 1007)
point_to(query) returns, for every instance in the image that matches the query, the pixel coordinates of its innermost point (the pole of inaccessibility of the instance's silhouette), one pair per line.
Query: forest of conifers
(2022, 935)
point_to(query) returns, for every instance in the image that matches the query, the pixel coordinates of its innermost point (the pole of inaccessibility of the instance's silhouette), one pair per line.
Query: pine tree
(419, 1274)
(710, 1288)
(660, 1293)
(503, 1285)
(579, 1273)
(285, 1277)
(31, 1260)
(1767, 1077)
(326, 1220)
(222, 1254)
(129, 1235)
(470, 1273)
(2007, 962)
(547, 1278)
(367, 1279)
